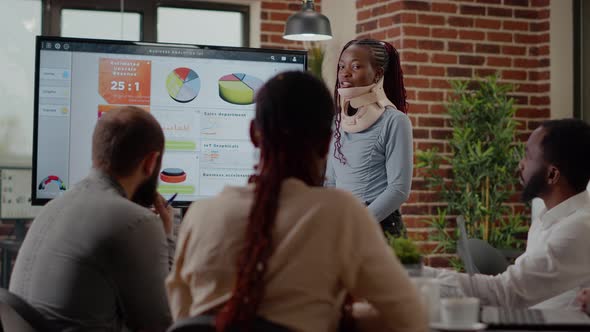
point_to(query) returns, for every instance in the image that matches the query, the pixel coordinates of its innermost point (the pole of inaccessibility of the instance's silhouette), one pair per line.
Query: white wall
(342, 15)
(561, 56)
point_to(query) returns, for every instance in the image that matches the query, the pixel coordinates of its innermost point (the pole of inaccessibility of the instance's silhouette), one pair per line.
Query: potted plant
(480, 167)
(408, 254)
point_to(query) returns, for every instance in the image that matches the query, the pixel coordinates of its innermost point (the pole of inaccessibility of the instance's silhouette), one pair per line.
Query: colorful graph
(50, 179)
(125, 81)
(239, 88)
(173, 175)
(183, 84)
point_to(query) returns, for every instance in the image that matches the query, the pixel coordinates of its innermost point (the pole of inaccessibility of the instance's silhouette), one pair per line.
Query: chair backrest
(201, 323)
(477, 255)
(487, 259)
(206, 323)
(463, 248)
(18, 315)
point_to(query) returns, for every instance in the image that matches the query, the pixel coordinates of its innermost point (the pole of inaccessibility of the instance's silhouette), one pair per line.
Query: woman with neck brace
(372, 153)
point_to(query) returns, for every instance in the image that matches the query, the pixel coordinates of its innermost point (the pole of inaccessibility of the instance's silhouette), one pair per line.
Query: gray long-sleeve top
(379, 163)
(95, 261)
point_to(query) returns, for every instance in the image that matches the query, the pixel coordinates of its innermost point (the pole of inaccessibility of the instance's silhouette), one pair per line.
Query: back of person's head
(123, 137)
(566, 144)
(294, 124)
(383, 55)
(292, 128)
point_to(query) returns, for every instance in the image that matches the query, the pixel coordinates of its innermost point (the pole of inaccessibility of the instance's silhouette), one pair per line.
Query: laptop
(512, 318)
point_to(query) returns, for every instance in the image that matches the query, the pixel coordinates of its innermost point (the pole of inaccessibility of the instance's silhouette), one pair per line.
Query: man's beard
(146, 192)
(535, 186)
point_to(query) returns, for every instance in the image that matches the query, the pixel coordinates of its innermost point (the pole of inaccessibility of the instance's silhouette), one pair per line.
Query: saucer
(463, 328)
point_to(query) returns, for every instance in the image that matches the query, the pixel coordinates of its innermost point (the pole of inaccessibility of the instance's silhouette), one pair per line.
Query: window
(17, 63)
(176, 21)
(581, 60)
(100, 24)
(194, 26)
(179, 21)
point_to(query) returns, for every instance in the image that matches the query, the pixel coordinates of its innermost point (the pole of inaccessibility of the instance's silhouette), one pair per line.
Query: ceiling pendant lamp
(307, 25)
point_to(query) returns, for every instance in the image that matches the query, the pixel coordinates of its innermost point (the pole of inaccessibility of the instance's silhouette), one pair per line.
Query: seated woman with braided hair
(284, 248)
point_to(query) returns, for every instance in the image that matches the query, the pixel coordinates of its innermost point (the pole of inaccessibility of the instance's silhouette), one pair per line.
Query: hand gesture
(166, 213)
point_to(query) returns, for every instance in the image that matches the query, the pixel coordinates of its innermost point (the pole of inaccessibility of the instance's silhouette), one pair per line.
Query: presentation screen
(203, 97)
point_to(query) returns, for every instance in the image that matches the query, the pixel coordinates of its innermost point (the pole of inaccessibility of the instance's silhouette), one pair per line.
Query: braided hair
(383, 55)
(294, 135)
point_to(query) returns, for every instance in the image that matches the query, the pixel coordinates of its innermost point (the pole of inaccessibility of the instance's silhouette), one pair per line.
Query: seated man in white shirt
(556, 263)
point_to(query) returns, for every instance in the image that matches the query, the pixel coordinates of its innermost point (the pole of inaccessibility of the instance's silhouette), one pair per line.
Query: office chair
(477, 255)
(487, 259)
(206, 323)
(18, 315)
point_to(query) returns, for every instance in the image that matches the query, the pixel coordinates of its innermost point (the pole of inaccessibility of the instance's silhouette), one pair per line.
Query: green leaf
(484, 152)
(405, 249)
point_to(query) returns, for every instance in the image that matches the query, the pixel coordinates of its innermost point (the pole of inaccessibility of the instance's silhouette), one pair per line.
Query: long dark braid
(295, 133)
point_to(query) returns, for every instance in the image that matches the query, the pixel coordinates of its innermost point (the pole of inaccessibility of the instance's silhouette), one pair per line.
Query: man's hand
(166, 213)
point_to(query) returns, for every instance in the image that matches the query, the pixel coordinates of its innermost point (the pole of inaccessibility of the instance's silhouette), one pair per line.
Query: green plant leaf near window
(316, 55)
(483, 159)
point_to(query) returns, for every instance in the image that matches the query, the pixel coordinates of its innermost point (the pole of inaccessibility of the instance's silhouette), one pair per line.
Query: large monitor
(203, 96)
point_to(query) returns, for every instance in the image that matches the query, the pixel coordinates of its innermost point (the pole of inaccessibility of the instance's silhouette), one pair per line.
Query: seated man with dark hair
(95, 259)
(556, 263)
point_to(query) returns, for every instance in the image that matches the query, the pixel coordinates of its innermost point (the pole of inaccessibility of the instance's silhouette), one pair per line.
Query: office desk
(9, 249)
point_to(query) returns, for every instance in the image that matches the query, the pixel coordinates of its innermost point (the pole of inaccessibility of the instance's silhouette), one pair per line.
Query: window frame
(148, 10)
(216, 6)
(581, 60)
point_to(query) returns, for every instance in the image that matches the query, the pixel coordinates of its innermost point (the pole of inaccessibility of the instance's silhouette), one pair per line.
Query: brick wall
(442, 40)
(273, 16)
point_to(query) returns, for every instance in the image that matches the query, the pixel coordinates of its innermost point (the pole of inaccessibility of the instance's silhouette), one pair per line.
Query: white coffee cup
(429, 291)
(460, 311)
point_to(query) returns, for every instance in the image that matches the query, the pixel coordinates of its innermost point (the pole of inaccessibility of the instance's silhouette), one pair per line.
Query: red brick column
(442, 40)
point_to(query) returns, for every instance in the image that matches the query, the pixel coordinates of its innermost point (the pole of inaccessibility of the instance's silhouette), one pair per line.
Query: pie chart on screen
(239, 88)
(183, 84)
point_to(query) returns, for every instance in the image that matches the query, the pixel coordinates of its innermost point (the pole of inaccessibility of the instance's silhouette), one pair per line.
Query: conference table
(519, 330)
(503, 330)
